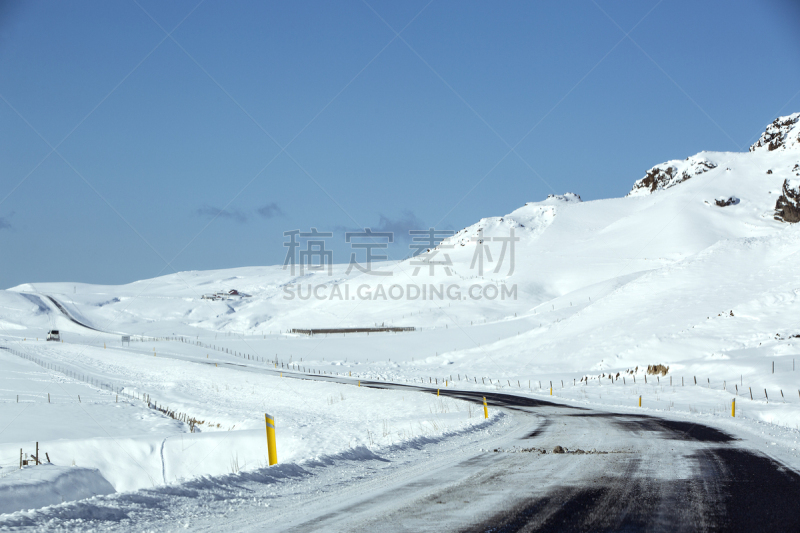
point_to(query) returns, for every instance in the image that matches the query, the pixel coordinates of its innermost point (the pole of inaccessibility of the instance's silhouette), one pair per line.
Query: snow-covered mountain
(679, 209)
(706, 209)
(695, 269)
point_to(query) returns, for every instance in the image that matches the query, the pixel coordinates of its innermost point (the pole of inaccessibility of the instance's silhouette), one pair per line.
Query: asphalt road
(67, 314)
(619, 472)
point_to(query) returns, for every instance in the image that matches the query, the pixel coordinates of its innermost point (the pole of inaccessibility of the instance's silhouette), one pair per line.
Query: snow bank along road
(618, 472)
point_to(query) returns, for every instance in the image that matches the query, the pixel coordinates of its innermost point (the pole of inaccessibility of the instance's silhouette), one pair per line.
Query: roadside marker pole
(640, 401)
(485, 409)
(733, 407)
(437, 392)
(273, 452)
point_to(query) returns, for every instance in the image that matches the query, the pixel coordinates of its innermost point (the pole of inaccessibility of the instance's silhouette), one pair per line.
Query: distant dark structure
(312, 332)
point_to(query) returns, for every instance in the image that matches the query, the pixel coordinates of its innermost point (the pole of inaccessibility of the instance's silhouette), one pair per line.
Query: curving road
(68, 314)
(618, 472)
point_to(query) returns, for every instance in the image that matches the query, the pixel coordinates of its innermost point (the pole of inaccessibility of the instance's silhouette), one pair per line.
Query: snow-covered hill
(679, 209)
(694, 269)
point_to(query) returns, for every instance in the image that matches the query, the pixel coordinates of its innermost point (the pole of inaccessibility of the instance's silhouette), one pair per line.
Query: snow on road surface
(693, 270)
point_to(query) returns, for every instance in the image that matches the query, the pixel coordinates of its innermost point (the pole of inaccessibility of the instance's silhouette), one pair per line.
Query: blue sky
(293, 115)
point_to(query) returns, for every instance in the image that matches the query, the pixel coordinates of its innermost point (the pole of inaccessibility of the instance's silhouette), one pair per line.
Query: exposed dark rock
(725, 202)
(657, 175)
(566, 197)
(787, 208)
(559, 449)
(671, 173)
(782, 133)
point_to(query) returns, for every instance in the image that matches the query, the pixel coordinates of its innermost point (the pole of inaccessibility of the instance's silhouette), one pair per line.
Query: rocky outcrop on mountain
(566, 197)
(787, 208)
(671, 173)
(725, 202)
(782, 134)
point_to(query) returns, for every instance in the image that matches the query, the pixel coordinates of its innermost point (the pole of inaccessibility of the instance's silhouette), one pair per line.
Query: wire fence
(116, 389)
(78, 376)
(6, 469)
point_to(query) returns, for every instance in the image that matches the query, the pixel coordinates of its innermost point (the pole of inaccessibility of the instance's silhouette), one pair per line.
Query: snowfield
(136, 446)
(695, 269)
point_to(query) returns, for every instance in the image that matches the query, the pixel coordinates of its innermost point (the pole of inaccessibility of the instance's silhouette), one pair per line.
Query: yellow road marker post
(273, 450)
(733, 407)
(437, 392)
(485, 408)
(640, 401)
